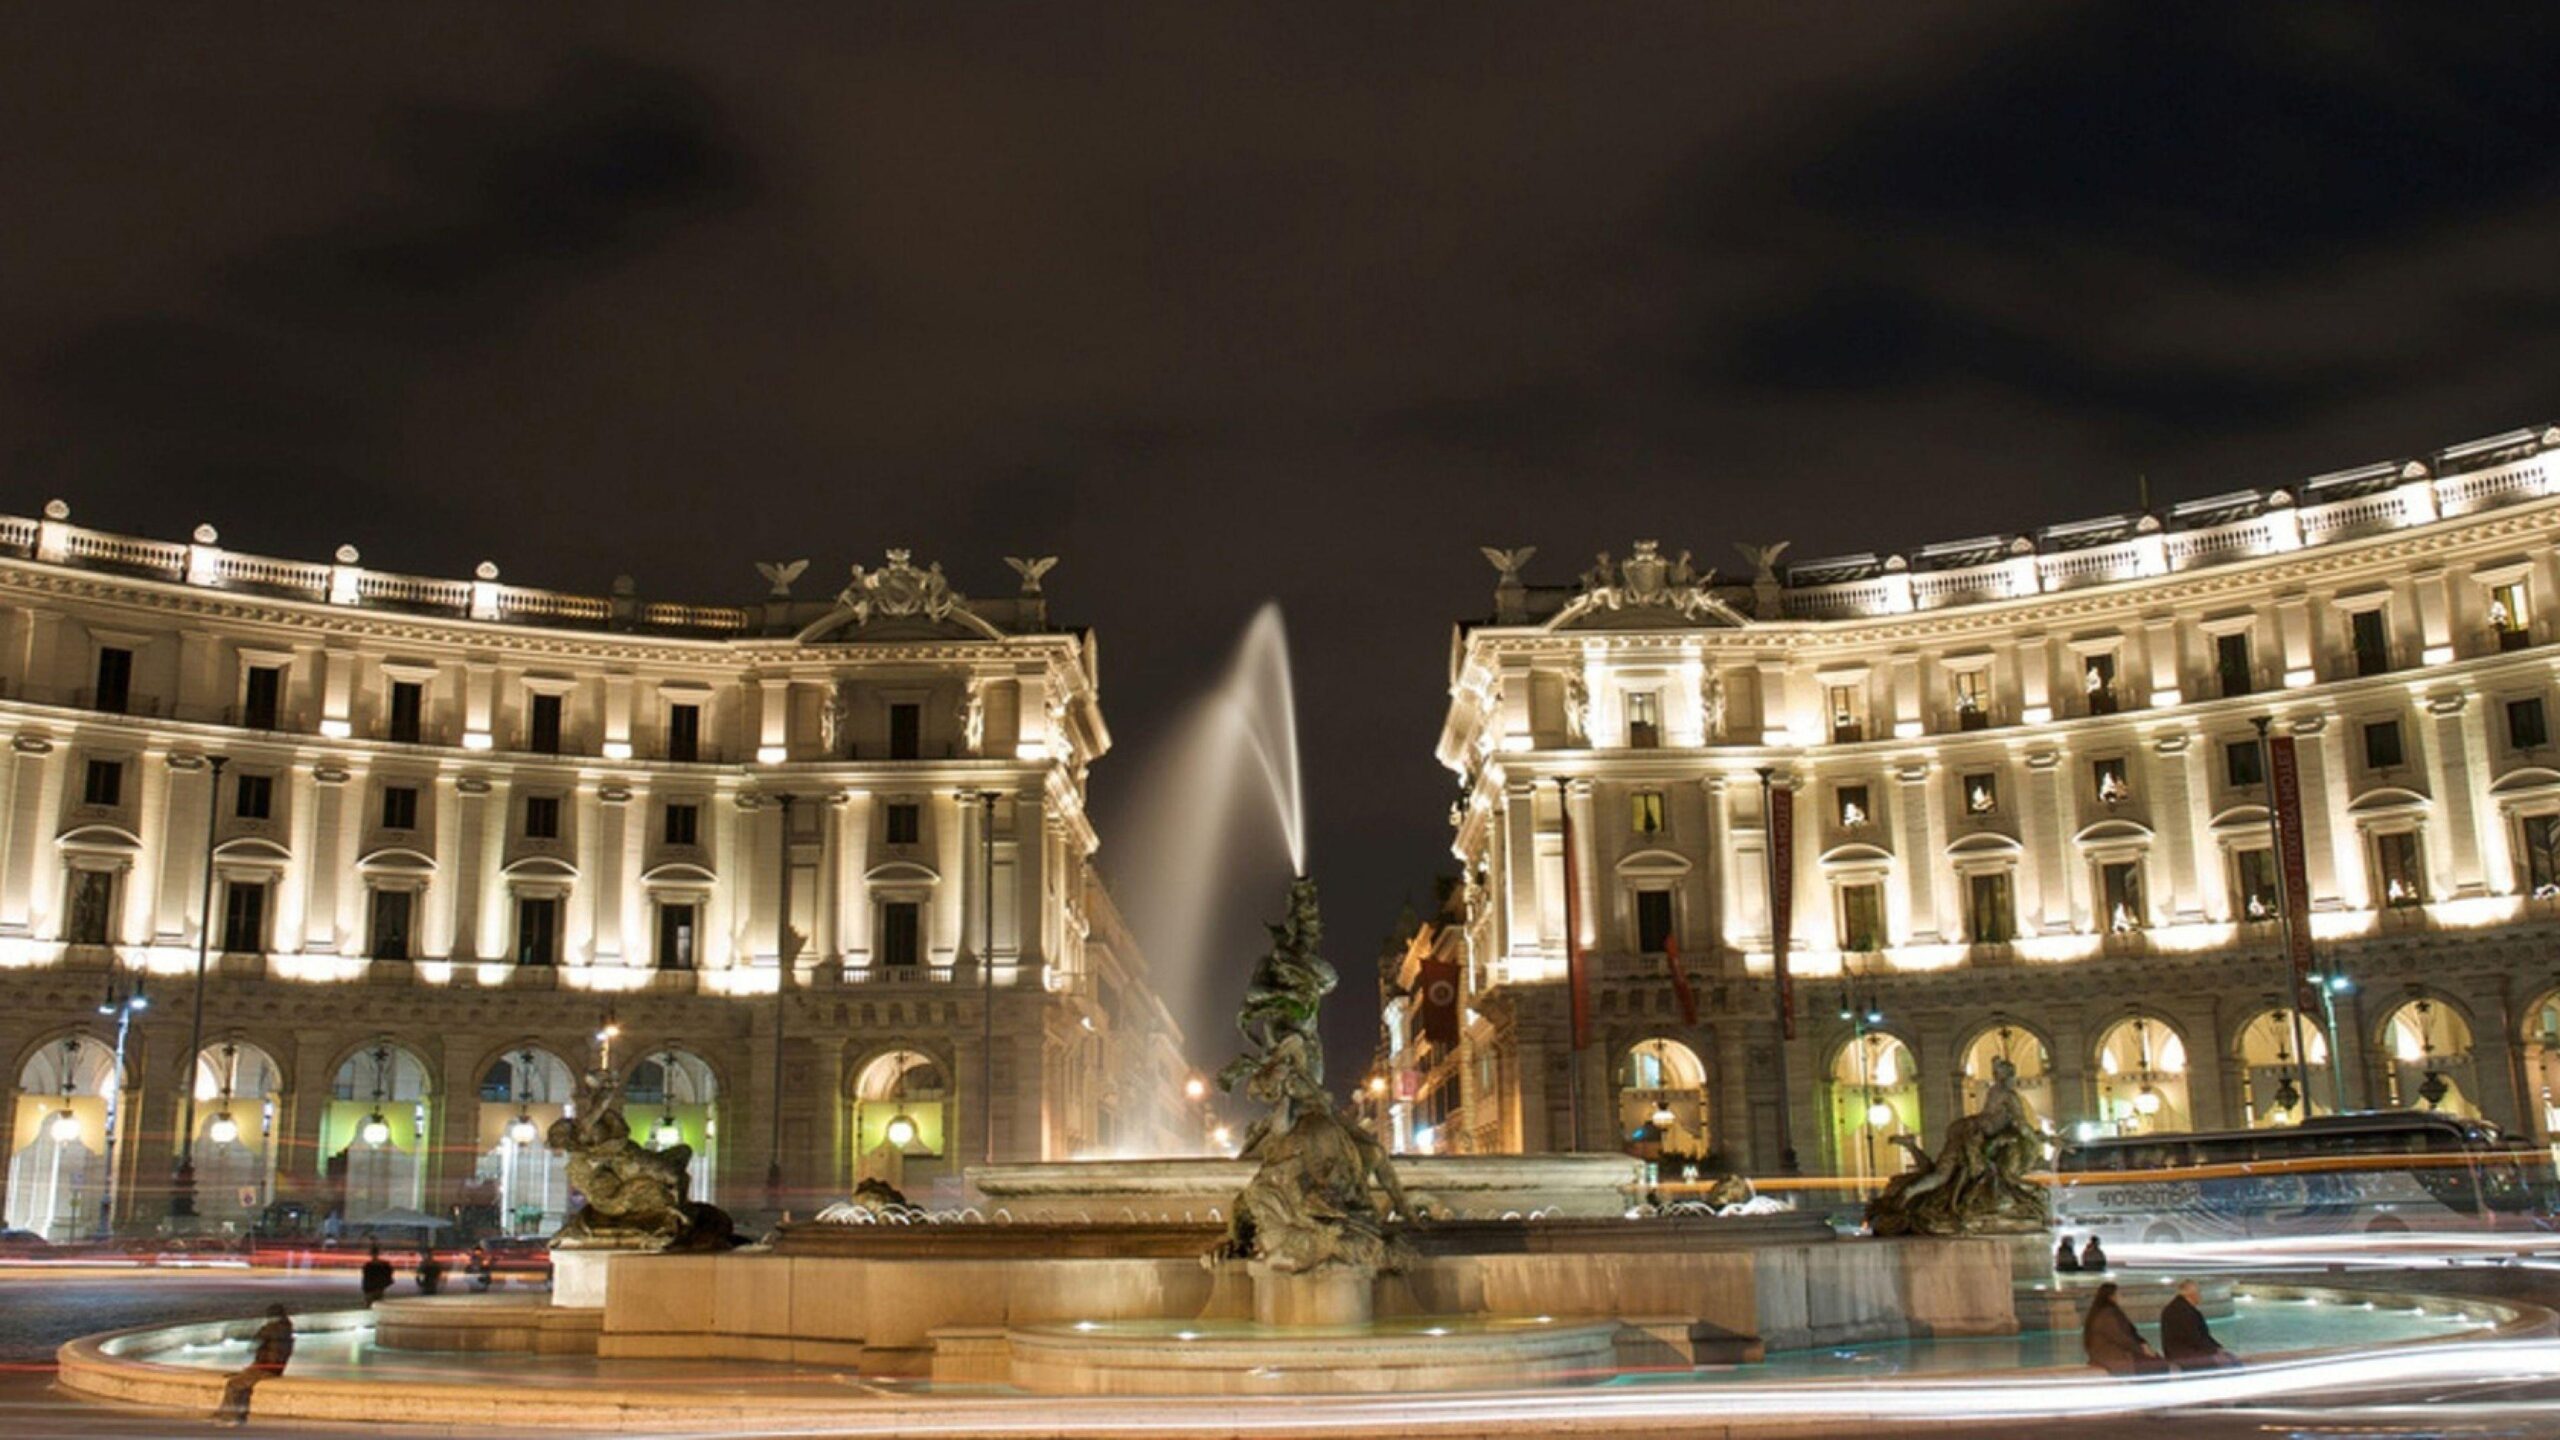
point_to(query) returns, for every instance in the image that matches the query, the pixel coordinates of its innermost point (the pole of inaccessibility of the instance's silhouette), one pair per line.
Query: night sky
(1224, 304)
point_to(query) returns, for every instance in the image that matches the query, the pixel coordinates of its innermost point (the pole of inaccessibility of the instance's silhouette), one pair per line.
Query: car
(23, 1242)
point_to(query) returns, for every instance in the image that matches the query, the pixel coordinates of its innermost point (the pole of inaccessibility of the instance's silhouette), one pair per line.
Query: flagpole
(1778, 941)
(1572, 978)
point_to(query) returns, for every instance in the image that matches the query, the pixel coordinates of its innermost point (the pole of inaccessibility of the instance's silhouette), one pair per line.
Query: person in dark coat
(377, 1275)
(430, 1273)
(2184, 1337)
(2114, 1343)
(275, 1351)
(2066, 1260)
(2093, 1257)
(480, 1268)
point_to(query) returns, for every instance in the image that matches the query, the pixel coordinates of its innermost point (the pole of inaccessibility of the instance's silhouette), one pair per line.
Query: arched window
(901, 1119)
(1874, 1086)
(2271, 1082)
(58, 1175)
(2142, 1078)
(1663, 1113)
(2430, 1064)
(375, 1128)
(672, 1099)
(237, 1089)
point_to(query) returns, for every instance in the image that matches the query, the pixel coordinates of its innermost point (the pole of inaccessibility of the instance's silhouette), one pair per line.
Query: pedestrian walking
(377, 1275)
(482, 1271)
(2184, 1337)
(275, 1350)
(2113, 1342)
(430, 1273)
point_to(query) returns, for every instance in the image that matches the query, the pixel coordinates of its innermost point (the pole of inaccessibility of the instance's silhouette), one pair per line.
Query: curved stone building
(2030, 820)
(458, 840)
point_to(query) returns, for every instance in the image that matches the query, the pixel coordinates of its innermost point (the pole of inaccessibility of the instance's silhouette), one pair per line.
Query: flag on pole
(1577, 984)
(1438, 983)
(1782, 868)
(1679, 980)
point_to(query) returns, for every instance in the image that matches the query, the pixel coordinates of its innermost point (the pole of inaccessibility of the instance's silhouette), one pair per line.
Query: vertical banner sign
(1439, 985)
(1782, 900)
(1576, 983)
(2285, 775)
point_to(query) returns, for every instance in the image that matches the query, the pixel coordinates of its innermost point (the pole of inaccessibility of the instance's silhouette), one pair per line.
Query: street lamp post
(781, 1003)
(987, 970)
(182, 1190)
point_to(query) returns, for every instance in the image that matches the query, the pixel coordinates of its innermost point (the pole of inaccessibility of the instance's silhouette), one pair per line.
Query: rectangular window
(542, 817)
(684, 824)
(399, 807)
(901, 933)
(1981, 793)
(2526, 727)
(90, 918)
(905, 824)
(1848, 713)
(2098, 682)
(1862, 918)
(2382, 745)
(906, 731)
(2108, 779)
(1993, 919)
(684, 732)
(2510, 615)
(542, 725)
(537, 930)
(2399, 877)
(675, 937)
(392, 913)
(1973, 699)
(2253, 884)
(2242, 765)
(259, 697)
(1851, 803)
(1647, 811)
(408, 703)
(2372, 640)
(2231, 662)
(2538, 855)
(115, 679)
(2120, 893)
(253, 797)
(1644, 720)
(244, 918)
(1653, 921)
(103, 783)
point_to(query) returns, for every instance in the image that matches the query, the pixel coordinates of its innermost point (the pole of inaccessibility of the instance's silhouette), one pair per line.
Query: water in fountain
(1227, 780)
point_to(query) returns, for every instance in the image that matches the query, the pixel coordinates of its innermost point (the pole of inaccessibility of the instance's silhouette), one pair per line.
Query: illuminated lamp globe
(2146, 1101)
(901, 1130)
(1195, 1088)
(66, 1127)
(377, 1131)
(667, 1132)
(224, 1129)
(1663, 1117)
(522, 1131)
(1879, 1115)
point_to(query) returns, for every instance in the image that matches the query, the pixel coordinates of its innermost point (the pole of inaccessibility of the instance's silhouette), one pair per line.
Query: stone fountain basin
(1472, 1186)
(1228, 1357)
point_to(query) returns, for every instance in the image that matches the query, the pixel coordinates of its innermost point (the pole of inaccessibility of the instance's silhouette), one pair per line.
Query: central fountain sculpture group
(1325, 1189)
(1977, 1182)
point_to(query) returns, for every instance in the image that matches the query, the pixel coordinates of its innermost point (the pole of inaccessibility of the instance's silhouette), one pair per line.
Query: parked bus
(2388, 1172)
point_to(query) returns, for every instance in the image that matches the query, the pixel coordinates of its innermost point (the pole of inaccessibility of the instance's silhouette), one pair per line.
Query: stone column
(2182, 897)
(2044, 825)
(2454, 854)
(1920, 873)
(35, 798)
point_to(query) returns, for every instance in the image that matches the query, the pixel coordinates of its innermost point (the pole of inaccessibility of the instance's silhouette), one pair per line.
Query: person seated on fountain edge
(2066, 1261)
(2186, 1339)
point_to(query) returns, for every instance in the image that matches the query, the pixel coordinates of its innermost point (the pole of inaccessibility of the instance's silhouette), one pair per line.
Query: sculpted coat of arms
(900, 589)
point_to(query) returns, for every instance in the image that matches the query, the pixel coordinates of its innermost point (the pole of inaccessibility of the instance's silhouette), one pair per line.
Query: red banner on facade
(2284, 776)
(1679, 980)
(1782, 896)
(1576, 983)
(1438, 983)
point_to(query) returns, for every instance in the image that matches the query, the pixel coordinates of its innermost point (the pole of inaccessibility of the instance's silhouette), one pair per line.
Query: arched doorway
(2142, 1078)
(521, 1092)
(2542, 1065)
(2271, 1084)
(2427, 1065)
(58, 1176)
(901, 1115)
(1662, 1106)
(673, 1099)
(1875, 1095)
(374, 1131)
(237, 1087)
(2026, 1053)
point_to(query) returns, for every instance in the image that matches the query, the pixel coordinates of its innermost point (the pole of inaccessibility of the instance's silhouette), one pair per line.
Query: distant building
(457, 824)
(2031, 820)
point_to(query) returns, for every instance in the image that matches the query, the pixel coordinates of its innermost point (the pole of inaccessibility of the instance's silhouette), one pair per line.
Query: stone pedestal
(578, 1273)
(2031, 1257)
(1336, 1295)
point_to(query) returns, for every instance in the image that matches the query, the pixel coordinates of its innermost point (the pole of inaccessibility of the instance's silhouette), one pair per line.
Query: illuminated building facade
(2030, 819)
(454, 826)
